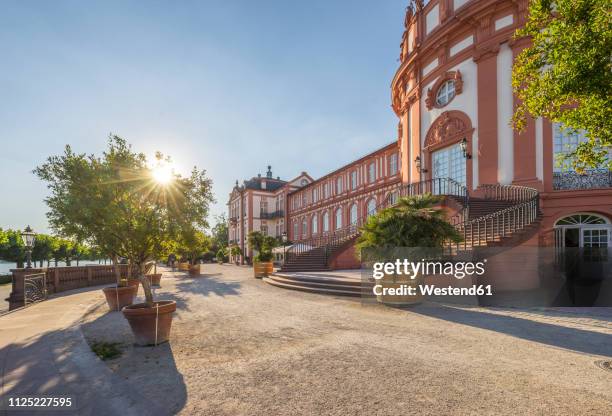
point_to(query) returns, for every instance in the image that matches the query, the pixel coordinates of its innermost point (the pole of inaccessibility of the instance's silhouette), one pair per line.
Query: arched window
(304, 227)
(393, 197)
(353, 214)
(583, 230)
(371, 207)
(315, 224)
(338, 218)
(325, 221)
(295, 230)
(445, 93)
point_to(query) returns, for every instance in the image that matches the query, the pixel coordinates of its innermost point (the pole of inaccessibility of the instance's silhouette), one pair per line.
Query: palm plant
(413, 222)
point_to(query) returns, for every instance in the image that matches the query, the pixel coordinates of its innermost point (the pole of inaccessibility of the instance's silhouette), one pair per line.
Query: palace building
(453, 97)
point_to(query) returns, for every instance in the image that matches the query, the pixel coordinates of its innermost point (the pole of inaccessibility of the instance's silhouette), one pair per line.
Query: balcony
(271, 215)
(595, 178)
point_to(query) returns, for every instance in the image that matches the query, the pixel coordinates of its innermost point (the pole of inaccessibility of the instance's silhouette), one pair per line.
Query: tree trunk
(116, 269)
(146, 285)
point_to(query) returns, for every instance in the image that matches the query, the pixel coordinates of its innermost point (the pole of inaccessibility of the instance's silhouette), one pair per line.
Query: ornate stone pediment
(448, 128)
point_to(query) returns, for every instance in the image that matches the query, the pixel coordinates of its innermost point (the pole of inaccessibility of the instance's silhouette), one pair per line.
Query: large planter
(183, 267)
(262, 268)
(119, 297)
(150, 325)
(399, 284)
(154, 279)
(194, 269)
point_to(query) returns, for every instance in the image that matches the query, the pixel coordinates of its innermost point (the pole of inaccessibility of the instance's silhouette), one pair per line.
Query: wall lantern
(419, 168)
(464, 148)
(28, 237)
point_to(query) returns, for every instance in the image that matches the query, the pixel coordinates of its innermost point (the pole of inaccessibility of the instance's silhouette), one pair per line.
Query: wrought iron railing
(493, 227)
(324, 244)
(271, 215)
(594, 178)
(34, 288)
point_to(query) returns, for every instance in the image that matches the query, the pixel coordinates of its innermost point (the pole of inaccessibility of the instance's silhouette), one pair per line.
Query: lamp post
(28, 237)
(284, 238)
(464, 148)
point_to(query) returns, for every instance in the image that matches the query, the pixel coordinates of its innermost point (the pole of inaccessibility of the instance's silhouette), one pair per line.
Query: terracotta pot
(154, 279)
(150, 325)
(123, 295)
(194, 269)
(262, 268)
(401, 284)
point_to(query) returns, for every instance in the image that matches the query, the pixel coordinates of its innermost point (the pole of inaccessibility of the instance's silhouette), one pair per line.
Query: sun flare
(162, 174)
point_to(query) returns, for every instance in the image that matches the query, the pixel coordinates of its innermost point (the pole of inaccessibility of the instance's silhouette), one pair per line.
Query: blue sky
(229, 86)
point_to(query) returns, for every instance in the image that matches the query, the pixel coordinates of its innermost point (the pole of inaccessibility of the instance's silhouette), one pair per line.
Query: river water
(5, 267)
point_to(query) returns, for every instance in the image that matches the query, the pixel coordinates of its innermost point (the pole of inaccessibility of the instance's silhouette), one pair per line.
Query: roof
(271, 184)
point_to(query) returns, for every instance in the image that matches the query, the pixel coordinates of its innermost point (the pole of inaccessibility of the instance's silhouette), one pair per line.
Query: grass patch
(106, 350)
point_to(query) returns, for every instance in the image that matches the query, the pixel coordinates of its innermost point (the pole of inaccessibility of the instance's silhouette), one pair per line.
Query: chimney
(269, 172)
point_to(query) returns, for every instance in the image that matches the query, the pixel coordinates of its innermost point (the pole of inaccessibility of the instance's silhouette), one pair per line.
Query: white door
(449, 163)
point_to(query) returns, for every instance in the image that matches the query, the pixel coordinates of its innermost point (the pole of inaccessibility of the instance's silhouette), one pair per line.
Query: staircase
(502, 215)
(320, 283)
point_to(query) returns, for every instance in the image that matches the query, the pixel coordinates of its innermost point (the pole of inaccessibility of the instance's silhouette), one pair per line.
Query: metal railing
(271, 215)
(593, 178)
(325, 244)
(34, 288)
(493, 227)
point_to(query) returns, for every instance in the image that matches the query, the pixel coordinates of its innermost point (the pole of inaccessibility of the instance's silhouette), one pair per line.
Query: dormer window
(445, 93)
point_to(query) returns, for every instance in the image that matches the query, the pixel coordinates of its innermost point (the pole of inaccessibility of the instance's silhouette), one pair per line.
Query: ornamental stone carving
(450, 127)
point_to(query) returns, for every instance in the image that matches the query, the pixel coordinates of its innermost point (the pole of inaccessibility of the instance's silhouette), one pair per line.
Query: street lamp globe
(28, 236)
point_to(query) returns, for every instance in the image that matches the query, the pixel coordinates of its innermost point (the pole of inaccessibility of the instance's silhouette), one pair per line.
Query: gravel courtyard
(242, 347)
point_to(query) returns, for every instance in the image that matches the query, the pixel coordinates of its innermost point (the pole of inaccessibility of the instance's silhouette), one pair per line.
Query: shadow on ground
(137, 366)
(575, 339)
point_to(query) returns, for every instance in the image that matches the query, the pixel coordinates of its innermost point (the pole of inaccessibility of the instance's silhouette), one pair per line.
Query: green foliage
(235, 251)
(220, 233)
(413, 222)
(12, 248)
(106, 350)
(221, 255)
(193, 244)
(113, 203)
(566, 75)
(262, 244)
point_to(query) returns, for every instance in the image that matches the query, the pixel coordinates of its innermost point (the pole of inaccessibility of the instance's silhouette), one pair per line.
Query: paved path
(242, 347)
(5, 291)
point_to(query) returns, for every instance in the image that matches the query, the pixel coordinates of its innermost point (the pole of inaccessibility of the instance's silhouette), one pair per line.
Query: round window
(446, 92)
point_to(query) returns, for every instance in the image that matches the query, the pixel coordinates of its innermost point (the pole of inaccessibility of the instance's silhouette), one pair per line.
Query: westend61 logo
(413, 273)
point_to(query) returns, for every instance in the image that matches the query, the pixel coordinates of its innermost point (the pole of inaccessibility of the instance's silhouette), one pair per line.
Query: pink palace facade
(453, 98)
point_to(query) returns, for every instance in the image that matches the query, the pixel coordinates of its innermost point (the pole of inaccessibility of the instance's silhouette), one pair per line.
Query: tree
(193, 244)
(413, 222)
(221, 255)
(220, 233)
(12, 248)
(115, 203)
(43, 248)
(262, 244)
(566, 75)
(236, 252)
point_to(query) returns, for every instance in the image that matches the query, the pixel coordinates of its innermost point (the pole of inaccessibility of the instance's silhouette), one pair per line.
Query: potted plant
(262, 245)
(125, 203)
(415, 227)
(236, 252)
(194, 243)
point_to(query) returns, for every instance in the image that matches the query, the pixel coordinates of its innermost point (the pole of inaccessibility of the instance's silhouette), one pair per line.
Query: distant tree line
(47, 249)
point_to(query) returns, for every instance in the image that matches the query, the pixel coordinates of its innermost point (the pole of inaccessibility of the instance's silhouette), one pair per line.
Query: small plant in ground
(106, 350)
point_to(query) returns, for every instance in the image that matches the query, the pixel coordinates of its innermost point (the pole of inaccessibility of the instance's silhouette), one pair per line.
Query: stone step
(314, 286)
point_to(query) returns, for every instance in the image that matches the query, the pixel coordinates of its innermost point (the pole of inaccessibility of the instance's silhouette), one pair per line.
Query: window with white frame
(325, 221)
(338, 218)
(565, 142)
(371, 206)
(295, 230)
(326, 190)
(315, 224)
(445, 93)
(339, 185)
(304, 227)
(393, 165)
(264, 229)
(353, 214)
(372, 172)
(354, 179)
